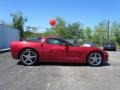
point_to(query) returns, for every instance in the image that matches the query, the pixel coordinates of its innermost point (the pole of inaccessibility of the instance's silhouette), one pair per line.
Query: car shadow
(63, 64)
(105, 64)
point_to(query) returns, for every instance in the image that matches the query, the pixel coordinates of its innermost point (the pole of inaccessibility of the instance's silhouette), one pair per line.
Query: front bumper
(105, 57)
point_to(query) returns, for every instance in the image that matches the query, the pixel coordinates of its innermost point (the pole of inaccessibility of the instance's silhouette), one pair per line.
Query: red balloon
(52, 22)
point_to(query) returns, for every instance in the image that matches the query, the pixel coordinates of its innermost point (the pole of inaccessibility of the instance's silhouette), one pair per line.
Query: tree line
(104, 31)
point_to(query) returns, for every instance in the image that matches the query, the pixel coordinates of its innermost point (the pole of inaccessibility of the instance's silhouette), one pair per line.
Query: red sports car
(54, 49)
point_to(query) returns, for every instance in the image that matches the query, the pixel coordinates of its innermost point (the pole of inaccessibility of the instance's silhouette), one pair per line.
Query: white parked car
(88, 44)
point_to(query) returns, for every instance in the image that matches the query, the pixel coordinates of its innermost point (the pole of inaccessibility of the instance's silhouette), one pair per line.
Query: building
(7, 34)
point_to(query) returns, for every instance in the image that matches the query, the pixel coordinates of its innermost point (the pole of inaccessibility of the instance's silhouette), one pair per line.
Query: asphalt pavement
(14, 76)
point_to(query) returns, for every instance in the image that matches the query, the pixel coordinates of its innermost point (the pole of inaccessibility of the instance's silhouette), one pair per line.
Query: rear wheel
(95, 59)
(28, 57)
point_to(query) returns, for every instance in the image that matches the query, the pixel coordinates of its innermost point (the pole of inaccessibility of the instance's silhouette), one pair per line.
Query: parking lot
(59, 76)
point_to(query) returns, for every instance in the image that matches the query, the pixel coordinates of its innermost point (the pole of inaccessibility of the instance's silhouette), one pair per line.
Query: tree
(60, 27)
(115, 32)
(88, 34)
(101, 32)
(72, 31)
(31, 32)
(75, 30)
(18, 21)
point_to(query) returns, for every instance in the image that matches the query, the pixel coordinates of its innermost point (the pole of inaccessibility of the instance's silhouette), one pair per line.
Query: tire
(95, 59)
(104, 49)
(28, 57)
(114, 49)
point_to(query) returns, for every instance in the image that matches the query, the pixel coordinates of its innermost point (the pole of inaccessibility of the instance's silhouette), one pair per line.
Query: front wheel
(28, 57)
(95, 59)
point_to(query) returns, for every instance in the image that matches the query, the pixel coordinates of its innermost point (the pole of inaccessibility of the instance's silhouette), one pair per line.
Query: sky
(39, 12)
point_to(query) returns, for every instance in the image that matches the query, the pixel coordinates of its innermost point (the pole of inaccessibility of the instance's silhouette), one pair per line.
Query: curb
(4, 50)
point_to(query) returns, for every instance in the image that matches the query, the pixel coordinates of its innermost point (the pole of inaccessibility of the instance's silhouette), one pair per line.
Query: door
(73, 53)
(53, 50)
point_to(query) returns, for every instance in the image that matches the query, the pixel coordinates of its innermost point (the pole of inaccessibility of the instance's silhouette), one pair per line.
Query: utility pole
(108, 29)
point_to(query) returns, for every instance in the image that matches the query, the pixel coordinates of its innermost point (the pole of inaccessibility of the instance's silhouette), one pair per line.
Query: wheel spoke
(98, 58)
(30, 60)
(26, 60)
(92, 62)
(92, 58)
(25, 56)
(33, 56)
(29, 53)
(95, 55)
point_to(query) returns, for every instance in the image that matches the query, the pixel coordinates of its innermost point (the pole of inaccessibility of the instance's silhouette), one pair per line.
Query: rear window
(109, 43)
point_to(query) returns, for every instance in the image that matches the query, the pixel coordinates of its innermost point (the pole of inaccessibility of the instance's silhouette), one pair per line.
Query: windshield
(109, 43)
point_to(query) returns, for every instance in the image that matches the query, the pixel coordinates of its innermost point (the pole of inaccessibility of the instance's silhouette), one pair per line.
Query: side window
(54, 41)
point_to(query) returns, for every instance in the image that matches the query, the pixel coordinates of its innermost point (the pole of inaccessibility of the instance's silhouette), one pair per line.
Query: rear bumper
(109, 48)
(14, 55)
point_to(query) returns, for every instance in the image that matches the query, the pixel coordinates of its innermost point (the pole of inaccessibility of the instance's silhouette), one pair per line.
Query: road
(59, 76)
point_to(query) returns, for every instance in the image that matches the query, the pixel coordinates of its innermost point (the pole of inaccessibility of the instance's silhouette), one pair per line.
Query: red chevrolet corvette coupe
(54, 49)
